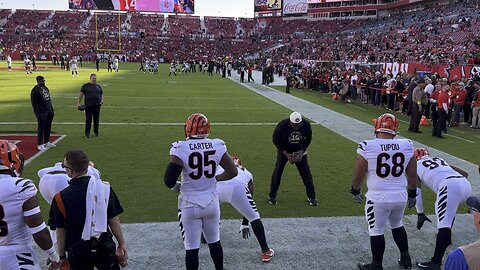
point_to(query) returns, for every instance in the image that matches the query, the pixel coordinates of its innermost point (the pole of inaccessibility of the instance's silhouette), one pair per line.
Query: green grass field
(132, 156)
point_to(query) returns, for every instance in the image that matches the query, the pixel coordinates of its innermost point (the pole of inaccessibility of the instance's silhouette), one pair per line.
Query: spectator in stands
(419, 100)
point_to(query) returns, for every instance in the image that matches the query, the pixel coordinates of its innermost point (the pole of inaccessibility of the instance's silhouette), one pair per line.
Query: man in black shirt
(68, 217)
(292, 136)
(43, 109)
(93, 94)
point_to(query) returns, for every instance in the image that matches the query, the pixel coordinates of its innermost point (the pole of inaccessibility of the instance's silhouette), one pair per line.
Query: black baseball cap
(473, 202)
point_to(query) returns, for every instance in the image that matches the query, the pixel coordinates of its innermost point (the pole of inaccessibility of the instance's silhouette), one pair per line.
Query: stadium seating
(431, 35)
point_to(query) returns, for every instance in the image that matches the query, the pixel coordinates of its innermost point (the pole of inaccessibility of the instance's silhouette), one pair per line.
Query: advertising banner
(295, 7)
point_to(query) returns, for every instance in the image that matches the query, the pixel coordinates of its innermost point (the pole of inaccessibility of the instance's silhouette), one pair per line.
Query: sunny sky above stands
(218, 8)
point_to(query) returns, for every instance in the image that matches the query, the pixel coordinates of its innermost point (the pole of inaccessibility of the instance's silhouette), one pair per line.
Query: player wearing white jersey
(9, 63)
(55, 179)
(27, 63)
(452, 188)
(196, 160)
(172, 69)
(238, 192)
(20, 216)
(73, 66)
(115, 64)
(390, 166)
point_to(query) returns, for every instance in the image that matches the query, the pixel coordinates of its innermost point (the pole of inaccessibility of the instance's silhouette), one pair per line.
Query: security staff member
(43, 109)
(93, 94)
(68, 215)
(292, 136)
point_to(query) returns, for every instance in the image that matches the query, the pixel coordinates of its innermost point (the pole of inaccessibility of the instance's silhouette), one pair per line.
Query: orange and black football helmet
(420, 152)
(386, 123)
(197, 126)
(11, 158)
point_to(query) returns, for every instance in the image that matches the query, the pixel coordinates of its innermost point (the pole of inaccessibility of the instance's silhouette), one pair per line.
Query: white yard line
(44, 150)
(349, 127)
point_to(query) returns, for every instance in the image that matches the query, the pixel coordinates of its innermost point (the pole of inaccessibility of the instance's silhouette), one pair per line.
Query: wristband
(354, 191)
(52, 254)
(37, 229)
(412, 193)
(31, 212)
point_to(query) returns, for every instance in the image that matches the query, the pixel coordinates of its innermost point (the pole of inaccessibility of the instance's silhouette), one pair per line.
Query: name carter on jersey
(200, 146)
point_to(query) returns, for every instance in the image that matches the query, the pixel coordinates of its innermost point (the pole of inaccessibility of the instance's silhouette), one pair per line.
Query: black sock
(259, 231)
(216, 252)
(444, 237)
(400, 237)
(191, 259)
(377, 244)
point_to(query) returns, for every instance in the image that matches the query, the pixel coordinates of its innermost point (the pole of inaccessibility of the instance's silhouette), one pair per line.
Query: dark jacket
(41, 101)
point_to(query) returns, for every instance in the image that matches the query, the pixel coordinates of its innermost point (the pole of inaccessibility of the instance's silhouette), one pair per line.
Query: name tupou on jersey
(200, 158)
(387, 161)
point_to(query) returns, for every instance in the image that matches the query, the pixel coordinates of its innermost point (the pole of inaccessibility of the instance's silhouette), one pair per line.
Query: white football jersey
(243, 177)
(14, 192)
(387, 161)
(433, 171)
(200, 158)
(55, 179)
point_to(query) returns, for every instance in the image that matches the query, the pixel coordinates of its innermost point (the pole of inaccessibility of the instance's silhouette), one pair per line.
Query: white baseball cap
(296, 118)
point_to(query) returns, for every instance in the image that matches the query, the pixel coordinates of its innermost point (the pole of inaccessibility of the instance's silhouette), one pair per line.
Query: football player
(20, 216)
(73, 66)
(390, 166)
(452, 188)
(238, 192)
(197, 159)
(55, 179)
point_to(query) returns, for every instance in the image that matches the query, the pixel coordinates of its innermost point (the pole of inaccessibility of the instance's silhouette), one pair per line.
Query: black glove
(357, 195)
(421, 218)
(412, 197)
(81, 107)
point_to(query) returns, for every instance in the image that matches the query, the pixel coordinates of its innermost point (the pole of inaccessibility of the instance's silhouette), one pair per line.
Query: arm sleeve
(277, 138)
(456, 261)
(114, 207)
(34, 100)
(308, 135)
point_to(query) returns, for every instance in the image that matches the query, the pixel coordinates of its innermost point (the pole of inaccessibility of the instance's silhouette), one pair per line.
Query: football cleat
(267, 255)
(41, 147)
(313, 202)
(272, 200)
(11, 158)
(405, 262)
(386, 123)
(429, 265)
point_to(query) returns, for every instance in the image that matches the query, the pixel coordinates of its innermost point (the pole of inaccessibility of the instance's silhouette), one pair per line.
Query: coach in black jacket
(292, 136)
(43, 109)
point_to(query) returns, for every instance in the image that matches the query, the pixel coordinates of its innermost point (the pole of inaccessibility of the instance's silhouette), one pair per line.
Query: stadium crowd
(430, 35)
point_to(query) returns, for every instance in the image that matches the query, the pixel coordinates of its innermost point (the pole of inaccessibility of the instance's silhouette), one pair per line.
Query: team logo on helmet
(387, 123)
(197, 126)
(420, 152)
(11, 158)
